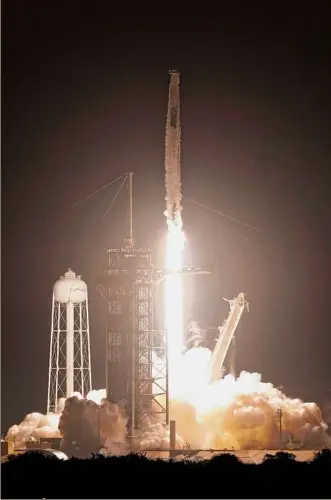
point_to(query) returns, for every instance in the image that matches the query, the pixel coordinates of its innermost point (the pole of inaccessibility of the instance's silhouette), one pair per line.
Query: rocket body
(172, 153)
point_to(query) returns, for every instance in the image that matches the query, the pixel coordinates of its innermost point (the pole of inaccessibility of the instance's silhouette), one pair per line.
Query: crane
(172, 151)
(226, 334)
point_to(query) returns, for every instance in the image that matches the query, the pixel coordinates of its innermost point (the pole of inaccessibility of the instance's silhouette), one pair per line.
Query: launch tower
(136, 365)
(70, 353)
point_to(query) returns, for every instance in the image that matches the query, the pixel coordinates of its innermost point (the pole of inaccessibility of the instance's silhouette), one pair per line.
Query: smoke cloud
(35, 425)
(86, 425)
(234, 413)
(240, 413)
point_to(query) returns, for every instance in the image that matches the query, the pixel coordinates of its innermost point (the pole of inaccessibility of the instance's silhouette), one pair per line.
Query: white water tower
(70, 352)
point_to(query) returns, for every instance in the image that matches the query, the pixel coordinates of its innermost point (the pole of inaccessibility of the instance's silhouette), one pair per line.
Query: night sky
(84, 97)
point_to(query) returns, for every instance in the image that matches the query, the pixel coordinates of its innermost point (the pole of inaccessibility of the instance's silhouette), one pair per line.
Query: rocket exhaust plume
(242, 413)
(229, 413)
(174, 303)
(234, 413)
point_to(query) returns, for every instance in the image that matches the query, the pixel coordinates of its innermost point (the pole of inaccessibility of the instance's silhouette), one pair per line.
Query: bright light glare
(174, 302)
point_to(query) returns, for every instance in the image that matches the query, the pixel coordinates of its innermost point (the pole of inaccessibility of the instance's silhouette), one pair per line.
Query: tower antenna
(129, 241)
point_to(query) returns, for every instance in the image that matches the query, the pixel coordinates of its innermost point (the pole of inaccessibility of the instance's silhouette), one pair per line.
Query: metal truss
(151, 356)
(58, 354)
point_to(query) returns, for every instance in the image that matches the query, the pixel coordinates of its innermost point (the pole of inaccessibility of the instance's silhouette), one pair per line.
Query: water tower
(70, 353)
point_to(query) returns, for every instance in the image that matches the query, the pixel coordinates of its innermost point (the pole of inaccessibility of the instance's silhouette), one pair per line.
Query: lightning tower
(70, 353)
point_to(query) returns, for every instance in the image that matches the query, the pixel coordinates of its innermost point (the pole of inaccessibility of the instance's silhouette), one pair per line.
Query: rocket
(172, 153)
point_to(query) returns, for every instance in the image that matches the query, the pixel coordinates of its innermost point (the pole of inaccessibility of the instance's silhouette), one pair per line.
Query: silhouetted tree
(323, 457)
(34, 475)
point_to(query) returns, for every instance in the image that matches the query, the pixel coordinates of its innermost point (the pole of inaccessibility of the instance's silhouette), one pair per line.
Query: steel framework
(82, 378)
(136, 353)
(150, 354)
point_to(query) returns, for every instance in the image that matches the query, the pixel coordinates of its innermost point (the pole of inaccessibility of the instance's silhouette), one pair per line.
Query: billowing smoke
(35, 426)
(241, 413)
(155, 435)
(90, 424)
(87, 426)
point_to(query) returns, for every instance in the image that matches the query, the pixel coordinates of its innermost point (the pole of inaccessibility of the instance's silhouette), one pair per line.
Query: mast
(129, 240)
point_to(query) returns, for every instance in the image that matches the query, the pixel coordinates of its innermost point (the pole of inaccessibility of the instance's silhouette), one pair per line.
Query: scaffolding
(150, 354)
(136, 361)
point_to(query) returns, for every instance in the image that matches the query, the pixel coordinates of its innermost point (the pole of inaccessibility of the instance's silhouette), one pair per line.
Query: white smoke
(155, 435)
(240, 413)
(35, 425)
(38, 426)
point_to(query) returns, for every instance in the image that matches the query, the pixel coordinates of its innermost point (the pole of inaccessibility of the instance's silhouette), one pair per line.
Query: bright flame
(174, 301)
(239, 413)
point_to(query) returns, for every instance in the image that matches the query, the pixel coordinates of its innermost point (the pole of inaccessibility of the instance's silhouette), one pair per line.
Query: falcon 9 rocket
(172, 152)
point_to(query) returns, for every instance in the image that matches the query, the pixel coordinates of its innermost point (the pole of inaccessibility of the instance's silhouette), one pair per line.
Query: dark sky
(84, 96)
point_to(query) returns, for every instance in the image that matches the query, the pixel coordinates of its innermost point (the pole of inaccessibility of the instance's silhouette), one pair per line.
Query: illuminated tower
(70, 353)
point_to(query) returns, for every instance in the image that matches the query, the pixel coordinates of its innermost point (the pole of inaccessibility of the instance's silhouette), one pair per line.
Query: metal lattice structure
(136, 354)
(70, 352)
(117, 289)
(150, 353)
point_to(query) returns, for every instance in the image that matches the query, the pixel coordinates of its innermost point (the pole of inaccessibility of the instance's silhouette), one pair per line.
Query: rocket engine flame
(174, 301)
(235, 413)
(242, 413)
(227, 413)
